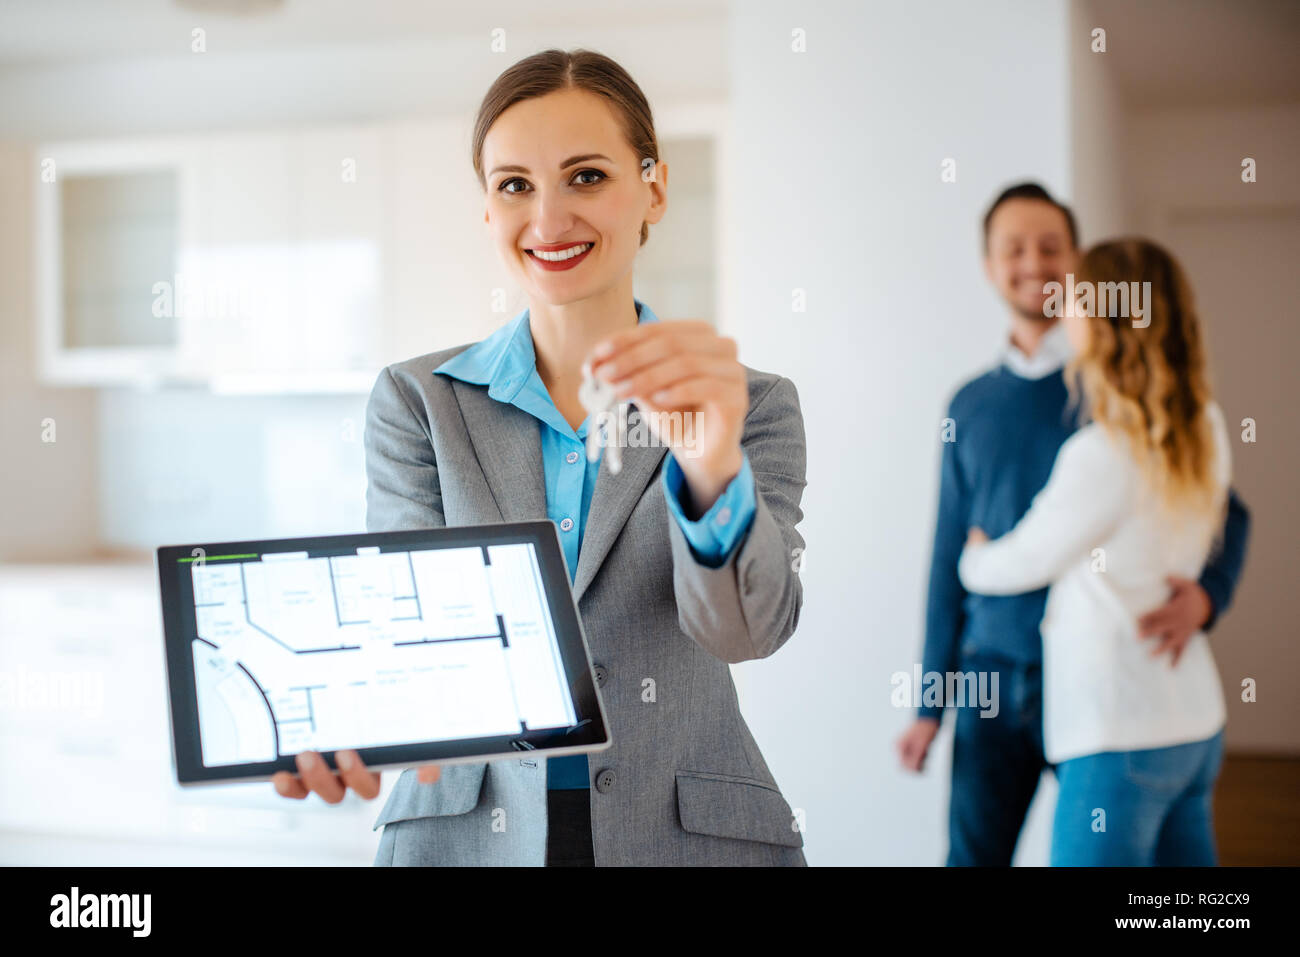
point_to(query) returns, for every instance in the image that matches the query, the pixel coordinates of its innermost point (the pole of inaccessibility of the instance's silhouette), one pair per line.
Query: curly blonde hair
(1150, 385)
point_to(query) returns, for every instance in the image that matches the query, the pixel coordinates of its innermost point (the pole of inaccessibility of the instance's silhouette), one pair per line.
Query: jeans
(996, 764)
(1138, 808)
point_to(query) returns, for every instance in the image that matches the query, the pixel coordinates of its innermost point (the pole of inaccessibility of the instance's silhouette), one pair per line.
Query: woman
(1134, 496)
(681, 562)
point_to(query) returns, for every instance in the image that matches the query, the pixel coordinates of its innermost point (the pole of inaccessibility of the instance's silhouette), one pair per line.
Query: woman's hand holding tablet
(315, 775)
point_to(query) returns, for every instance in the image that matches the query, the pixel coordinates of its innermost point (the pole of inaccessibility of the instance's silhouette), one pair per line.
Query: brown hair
(1030, 191)
(1151, 385)
(554, 70)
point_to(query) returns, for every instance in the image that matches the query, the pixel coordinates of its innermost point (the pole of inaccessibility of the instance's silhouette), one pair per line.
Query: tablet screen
(381, 642)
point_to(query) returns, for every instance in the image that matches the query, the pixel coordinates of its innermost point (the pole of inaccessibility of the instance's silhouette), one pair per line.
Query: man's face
(1028, 246)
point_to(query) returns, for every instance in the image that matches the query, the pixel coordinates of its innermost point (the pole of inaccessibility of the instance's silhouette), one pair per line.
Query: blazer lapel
(611, 504)
(509, 449)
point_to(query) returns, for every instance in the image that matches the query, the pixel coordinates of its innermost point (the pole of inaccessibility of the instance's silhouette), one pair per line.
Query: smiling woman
(679, 560)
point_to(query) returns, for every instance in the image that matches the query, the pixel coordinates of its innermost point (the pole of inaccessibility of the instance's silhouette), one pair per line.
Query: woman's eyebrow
(572, 160)
(584, 158)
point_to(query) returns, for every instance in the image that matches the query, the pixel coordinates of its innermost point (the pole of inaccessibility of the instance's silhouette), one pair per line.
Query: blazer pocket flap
(455, 792)
(725, 805)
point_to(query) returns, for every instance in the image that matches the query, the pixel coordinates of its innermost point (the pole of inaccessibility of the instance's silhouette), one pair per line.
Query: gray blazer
(687, 783)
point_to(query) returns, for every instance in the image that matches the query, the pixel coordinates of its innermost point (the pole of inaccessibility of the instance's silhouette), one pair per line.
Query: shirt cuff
(716, 533)
(1219, 591)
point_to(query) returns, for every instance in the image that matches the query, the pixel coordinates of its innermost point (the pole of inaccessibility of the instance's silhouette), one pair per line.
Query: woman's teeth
(563, 254)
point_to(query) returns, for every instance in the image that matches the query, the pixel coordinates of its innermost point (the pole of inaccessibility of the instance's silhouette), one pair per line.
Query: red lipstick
(553, 264)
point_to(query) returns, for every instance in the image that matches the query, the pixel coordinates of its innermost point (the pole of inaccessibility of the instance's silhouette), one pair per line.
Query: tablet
(441, 645)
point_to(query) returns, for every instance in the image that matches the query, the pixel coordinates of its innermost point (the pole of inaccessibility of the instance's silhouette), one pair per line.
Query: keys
(599, 399)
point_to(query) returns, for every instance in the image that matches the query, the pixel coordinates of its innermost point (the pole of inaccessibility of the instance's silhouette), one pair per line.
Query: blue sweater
(1008, 430)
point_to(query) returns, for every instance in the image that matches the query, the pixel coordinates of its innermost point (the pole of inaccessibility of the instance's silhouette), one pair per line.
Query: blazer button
(605, 781)
(600, 673)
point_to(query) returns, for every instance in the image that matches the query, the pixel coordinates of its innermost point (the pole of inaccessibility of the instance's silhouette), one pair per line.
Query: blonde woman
(681, 561)
(1134, 496)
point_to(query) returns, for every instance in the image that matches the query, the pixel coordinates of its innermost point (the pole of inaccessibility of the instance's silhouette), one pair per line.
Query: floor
(1257, 810)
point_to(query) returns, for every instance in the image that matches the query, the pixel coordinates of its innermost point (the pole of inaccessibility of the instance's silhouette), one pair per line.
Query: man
(1009, 424)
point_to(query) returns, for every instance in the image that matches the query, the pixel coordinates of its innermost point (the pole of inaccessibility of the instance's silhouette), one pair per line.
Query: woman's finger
(428, 773)
(661, 375)
(317, 776)
(656, 344)
(692, 392)
(355, 775)
(616, 343)
(289, 785)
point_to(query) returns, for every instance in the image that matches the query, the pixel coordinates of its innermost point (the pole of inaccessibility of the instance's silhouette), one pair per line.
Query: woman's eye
(516, 185)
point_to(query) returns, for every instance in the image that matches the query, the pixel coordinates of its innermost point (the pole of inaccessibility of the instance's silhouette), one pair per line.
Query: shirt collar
(1052, 354)
(505, 361)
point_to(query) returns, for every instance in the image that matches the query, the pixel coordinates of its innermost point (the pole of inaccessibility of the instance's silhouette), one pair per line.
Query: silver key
(599, 399)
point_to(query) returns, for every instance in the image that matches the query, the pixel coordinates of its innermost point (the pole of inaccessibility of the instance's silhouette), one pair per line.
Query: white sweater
(1102, 690)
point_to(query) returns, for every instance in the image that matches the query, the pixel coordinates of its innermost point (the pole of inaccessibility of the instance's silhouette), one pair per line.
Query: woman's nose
(552, 216)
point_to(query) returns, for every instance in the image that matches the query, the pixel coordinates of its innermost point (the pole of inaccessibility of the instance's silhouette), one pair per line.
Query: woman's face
(566, 196)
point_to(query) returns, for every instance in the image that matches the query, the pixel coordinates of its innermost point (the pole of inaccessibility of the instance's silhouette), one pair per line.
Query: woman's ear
(659, 193)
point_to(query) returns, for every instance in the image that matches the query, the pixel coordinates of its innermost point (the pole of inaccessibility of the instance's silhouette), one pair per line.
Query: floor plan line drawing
(442, 644)
(301, 651)
(270, 712)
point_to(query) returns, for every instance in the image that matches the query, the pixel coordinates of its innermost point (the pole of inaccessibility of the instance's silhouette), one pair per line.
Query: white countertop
(85, 760)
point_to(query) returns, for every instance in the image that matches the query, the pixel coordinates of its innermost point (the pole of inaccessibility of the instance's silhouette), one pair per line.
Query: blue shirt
(507, 364)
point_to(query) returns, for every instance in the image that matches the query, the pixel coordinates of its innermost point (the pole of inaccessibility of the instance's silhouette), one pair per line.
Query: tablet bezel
(180, 628)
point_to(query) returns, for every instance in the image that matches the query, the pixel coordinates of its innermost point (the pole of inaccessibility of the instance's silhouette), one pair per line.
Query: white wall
(48, 508)
(835, 189)
(1098, 131)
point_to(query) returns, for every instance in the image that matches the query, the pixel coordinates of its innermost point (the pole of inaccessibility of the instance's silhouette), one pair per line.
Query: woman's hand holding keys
(683, 366)
(315, 775)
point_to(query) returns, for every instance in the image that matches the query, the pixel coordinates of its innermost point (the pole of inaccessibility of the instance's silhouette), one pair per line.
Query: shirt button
(566, 524)
(724, 515)
(600, 673)
(571, 457)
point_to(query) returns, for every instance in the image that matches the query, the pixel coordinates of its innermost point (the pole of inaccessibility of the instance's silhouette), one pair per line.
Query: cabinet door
(234, 278)
(288, 256)
(244, 260)
(109, 221)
